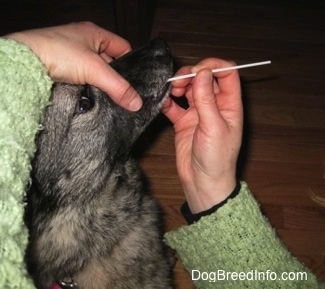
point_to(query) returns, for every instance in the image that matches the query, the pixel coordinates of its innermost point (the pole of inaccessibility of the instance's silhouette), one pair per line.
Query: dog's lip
(166, 94)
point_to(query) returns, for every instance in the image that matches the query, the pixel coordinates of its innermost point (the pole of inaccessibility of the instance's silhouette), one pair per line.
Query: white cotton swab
(221, 69)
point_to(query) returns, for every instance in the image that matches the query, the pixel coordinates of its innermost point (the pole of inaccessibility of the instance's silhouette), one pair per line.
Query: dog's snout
(159, 47)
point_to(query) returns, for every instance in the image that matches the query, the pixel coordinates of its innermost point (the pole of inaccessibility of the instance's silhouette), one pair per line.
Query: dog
(92, 223)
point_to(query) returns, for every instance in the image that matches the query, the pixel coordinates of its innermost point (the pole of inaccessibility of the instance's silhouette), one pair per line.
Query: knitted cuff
(192, 218)
(236, 238)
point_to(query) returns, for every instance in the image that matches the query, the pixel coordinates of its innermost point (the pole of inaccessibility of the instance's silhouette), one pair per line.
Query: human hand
(207, 134)
(78, 53)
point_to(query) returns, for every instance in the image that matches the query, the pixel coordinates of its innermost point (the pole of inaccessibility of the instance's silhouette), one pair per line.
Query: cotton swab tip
(220, 70)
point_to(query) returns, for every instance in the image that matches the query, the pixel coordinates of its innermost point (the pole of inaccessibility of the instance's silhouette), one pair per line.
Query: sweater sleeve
(236, 247)
(24, 92)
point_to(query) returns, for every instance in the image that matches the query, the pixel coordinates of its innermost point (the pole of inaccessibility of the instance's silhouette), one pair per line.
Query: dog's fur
(89, 215)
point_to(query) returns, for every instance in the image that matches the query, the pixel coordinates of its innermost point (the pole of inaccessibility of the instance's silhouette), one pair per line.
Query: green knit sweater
(24, 92)
(234, 239)
(236, 247)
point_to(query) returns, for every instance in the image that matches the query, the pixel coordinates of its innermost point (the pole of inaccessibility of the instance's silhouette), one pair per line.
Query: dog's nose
(159, 47)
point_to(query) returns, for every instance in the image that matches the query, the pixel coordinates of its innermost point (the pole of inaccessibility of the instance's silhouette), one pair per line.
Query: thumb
(205, 99)
(117, 87)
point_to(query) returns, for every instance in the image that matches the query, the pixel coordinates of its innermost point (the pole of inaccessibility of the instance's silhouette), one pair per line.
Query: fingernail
(205, 75)
(135, 104)
(195, 69)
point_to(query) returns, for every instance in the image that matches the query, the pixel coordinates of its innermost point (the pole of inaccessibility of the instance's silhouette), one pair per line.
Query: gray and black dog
(92, 223)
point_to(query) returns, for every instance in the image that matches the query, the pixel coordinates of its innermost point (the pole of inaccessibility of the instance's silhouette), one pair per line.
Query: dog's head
(86, 134)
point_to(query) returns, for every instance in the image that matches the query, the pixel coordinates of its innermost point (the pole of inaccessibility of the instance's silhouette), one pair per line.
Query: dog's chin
(164, 98)
(160, 99)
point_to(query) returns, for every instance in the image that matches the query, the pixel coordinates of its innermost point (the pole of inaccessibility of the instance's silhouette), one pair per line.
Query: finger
(181, 83)
(172, 110)
(183, 86)
(106, 58)
(180, 91)
(229, 94)
(107, 79)
(98, 39)
(228, 81)
(112, 44)
(205, 99)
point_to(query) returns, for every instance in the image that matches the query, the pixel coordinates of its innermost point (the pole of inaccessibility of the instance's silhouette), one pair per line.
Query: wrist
(23, 39)
(195, 217)
(206, 193)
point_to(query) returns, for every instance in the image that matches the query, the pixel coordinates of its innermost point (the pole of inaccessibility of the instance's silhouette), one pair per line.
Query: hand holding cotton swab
(220, 70)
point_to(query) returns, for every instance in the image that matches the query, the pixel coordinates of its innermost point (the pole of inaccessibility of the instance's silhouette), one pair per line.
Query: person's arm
(24, 92)
(230, 240)
(235, 247)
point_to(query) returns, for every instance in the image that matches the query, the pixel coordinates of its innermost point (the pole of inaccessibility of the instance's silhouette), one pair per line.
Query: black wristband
(192, 218)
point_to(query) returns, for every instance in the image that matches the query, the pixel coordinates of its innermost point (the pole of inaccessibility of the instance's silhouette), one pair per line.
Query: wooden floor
(284, 140)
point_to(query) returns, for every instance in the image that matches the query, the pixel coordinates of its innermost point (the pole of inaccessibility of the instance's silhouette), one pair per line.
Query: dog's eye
(86, 102)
